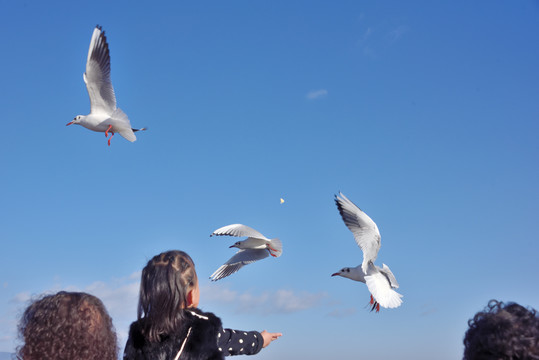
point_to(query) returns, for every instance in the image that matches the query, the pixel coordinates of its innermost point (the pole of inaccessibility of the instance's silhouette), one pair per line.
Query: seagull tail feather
(276, 247)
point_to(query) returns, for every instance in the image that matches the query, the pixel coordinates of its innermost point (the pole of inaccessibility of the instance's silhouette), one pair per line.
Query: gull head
(343, 272)
(76, 120)
(351, 273)
(236, 245)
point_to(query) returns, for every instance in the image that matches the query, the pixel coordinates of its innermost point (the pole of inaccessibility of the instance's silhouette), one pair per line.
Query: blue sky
(425, 114)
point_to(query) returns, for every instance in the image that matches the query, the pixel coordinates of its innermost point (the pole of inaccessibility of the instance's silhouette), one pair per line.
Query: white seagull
(104, 116)
(380, 281)
(255, 247)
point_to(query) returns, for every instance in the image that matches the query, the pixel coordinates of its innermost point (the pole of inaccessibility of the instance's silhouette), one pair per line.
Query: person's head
(67, 325)
(502, 331)
(168, 284)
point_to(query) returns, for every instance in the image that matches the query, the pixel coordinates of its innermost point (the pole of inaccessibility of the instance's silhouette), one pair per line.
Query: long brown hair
(165, 282)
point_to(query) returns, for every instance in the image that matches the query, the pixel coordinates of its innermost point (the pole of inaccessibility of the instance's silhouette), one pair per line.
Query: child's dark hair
(166, 280)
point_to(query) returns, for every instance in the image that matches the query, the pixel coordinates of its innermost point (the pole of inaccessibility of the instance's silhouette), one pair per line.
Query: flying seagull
(380, 281)
(104, 116)
(255, 247)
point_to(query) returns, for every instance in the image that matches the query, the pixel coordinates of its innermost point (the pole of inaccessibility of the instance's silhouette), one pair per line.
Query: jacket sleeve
(239, 342)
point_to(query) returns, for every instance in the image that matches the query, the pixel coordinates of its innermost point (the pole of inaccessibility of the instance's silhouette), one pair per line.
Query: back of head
(502, 332)
(67, 325)
(165, 283)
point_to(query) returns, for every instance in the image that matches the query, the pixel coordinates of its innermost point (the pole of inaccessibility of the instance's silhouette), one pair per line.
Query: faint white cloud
(9, 318)
(365, 42)
(366, 35)
(398, 33)
(120, 297)
(8, 330)
(376, 39)
(21, 298)
(268, 302)
(316, 94)
(290, 301)
(340, 313)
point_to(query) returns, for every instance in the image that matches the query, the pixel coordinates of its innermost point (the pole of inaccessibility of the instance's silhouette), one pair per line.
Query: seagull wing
(361, 225)
(97, 75)
(236, 262)
(389, 275)
(119, 120)
(239, 230)
(381, 290)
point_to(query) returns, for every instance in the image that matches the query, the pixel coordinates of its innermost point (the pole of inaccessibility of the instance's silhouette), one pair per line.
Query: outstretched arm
(239, 342)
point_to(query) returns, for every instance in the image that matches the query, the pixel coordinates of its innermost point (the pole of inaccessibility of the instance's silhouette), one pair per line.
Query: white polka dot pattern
(232, 342)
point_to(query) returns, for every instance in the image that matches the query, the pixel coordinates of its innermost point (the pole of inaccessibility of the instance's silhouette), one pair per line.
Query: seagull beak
(230, 247)
(336, 274)
(69, 123)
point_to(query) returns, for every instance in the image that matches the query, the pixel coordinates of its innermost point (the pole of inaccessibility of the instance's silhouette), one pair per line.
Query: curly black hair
(65, 326)
(502, 331)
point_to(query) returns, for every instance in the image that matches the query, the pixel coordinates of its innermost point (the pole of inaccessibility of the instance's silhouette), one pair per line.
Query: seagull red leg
(270, 251)
(374, 304)
(370, 303)
(111, 135)
(107, 131)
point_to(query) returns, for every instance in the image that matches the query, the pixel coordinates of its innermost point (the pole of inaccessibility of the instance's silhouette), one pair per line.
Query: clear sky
(423, 113)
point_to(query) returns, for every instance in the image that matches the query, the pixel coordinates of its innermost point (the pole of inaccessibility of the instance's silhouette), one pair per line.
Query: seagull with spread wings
(104, 116)
(255, 247)
(380, 281)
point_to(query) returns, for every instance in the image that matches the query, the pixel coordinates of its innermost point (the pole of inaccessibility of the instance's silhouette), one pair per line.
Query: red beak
(335, 274)
(69, 123)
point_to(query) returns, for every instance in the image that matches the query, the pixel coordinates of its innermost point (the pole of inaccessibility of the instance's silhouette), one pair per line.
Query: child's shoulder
(205, 318)
(205, 329)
